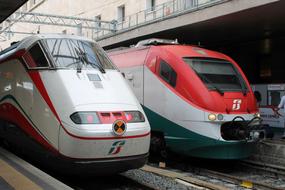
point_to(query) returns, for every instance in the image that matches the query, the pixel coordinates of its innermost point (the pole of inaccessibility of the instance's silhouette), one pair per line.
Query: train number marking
(236, 104)
(116, 147)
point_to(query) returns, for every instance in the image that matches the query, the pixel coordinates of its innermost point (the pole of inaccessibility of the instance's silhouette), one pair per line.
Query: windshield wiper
(98, 66)
(203, 77)
(78, 60)
(83, 57)
(80, 55)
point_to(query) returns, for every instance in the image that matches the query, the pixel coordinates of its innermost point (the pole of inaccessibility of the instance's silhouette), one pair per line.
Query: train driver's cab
(63, 53)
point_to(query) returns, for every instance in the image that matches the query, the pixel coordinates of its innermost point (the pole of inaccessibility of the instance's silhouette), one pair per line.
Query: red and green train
(198, 102)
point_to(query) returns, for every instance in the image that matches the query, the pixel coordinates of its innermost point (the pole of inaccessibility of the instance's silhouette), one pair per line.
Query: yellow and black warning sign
(119, 127)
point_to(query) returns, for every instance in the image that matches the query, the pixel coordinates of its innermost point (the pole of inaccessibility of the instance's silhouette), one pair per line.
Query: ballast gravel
(154, 181)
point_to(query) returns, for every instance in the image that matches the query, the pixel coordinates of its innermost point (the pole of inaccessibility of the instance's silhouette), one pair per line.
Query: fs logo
(236, 104)
(116, 147)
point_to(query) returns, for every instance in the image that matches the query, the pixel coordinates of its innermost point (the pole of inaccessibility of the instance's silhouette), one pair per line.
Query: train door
(7, 90)
(26, 88)
(33, 93)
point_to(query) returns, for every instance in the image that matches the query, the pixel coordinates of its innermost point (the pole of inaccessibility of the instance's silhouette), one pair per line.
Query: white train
(65, 103)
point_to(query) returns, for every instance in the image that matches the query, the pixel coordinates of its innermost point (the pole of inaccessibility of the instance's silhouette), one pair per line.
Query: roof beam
(59, 20)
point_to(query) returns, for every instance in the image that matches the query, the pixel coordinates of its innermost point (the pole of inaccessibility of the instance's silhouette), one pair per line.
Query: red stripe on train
(11, 114)
(106, 138)
(35, 76)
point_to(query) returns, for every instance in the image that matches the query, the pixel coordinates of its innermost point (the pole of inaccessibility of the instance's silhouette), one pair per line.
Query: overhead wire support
(59, 20)
(18, 32)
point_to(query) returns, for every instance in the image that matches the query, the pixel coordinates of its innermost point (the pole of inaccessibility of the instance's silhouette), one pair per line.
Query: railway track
(248, 181)
(277, 171)
(214, 180)
(223, 175)
(187, 175)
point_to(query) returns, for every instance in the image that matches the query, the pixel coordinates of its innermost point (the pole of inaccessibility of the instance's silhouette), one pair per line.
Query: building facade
(120, 12)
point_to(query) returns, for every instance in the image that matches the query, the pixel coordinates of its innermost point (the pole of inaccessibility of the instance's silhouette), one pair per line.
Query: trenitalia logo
(236, 104)
(116, 147)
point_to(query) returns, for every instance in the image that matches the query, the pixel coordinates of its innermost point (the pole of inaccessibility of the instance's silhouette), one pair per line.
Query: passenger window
(38, 57)
(167, 73)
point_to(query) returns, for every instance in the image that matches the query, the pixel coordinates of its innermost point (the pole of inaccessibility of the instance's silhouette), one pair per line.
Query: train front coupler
(240, 129)
(255, 129)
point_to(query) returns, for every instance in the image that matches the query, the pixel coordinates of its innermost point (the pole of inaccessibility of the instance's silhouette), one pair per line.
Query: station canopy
(8, 7)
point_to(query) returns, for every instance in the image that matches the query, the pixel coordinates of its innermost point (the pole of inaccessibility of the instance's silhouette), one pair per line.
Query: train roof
(28, 41)
(156, 41)
(177, 50)
(193, 51)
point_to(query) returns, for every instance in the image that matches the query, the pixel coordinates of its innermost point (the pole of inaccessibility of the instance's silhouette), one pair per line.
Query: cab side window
(38, 56)
(167, 73)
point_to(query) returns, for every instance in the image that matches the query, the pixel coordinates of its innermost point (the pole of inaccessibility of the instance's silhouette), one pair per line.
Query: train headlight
(257, 115)
(85, 118)
(134, 116)
(212, 117)
(220, 117)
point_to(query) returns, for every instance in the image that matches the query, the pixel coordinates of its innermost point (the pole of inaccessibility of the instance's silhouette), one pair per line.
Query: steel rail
(238, 180)
(228, 178)
(184, 177)
(276, 170)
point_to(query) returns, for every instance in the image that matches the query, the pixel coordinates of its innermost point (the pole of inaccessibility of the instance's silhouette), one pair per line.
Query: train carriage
(62, 100)
(199, 102)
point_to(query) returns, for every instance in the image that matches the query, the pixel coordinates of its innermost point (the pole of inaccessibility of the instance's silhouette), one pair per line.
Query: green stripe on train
(180, 140)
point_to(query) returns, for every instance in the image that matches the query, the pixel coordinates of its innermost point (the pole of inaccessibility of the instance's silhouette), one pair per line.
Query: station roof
(7, 7)
(239, 26)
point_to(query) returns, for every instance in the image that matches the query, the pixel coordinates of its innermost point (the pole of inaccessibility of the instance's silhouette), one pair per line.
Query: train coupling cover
(241, 129)
(255, 129)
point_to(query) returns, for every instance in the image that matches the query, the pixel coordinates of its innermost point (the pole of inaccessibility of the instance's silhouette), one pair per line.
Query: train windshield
(71, 54)
(219, 75)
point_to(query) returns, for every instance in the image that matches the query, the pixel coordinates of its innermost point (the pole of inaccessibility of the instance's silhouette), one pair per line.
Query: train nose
(110, 135)
(103, 117)
(94, 113)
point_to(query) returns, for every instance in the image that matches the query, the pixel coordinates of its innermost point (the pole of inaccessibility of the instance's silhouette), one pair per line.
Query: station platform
(17, 174)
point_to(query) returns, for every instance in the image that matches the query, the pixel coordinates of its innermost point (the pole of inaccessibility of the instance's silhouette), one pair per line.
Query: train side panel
(134, 78)
(133, 69)
(21, 92)
(68, 112)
